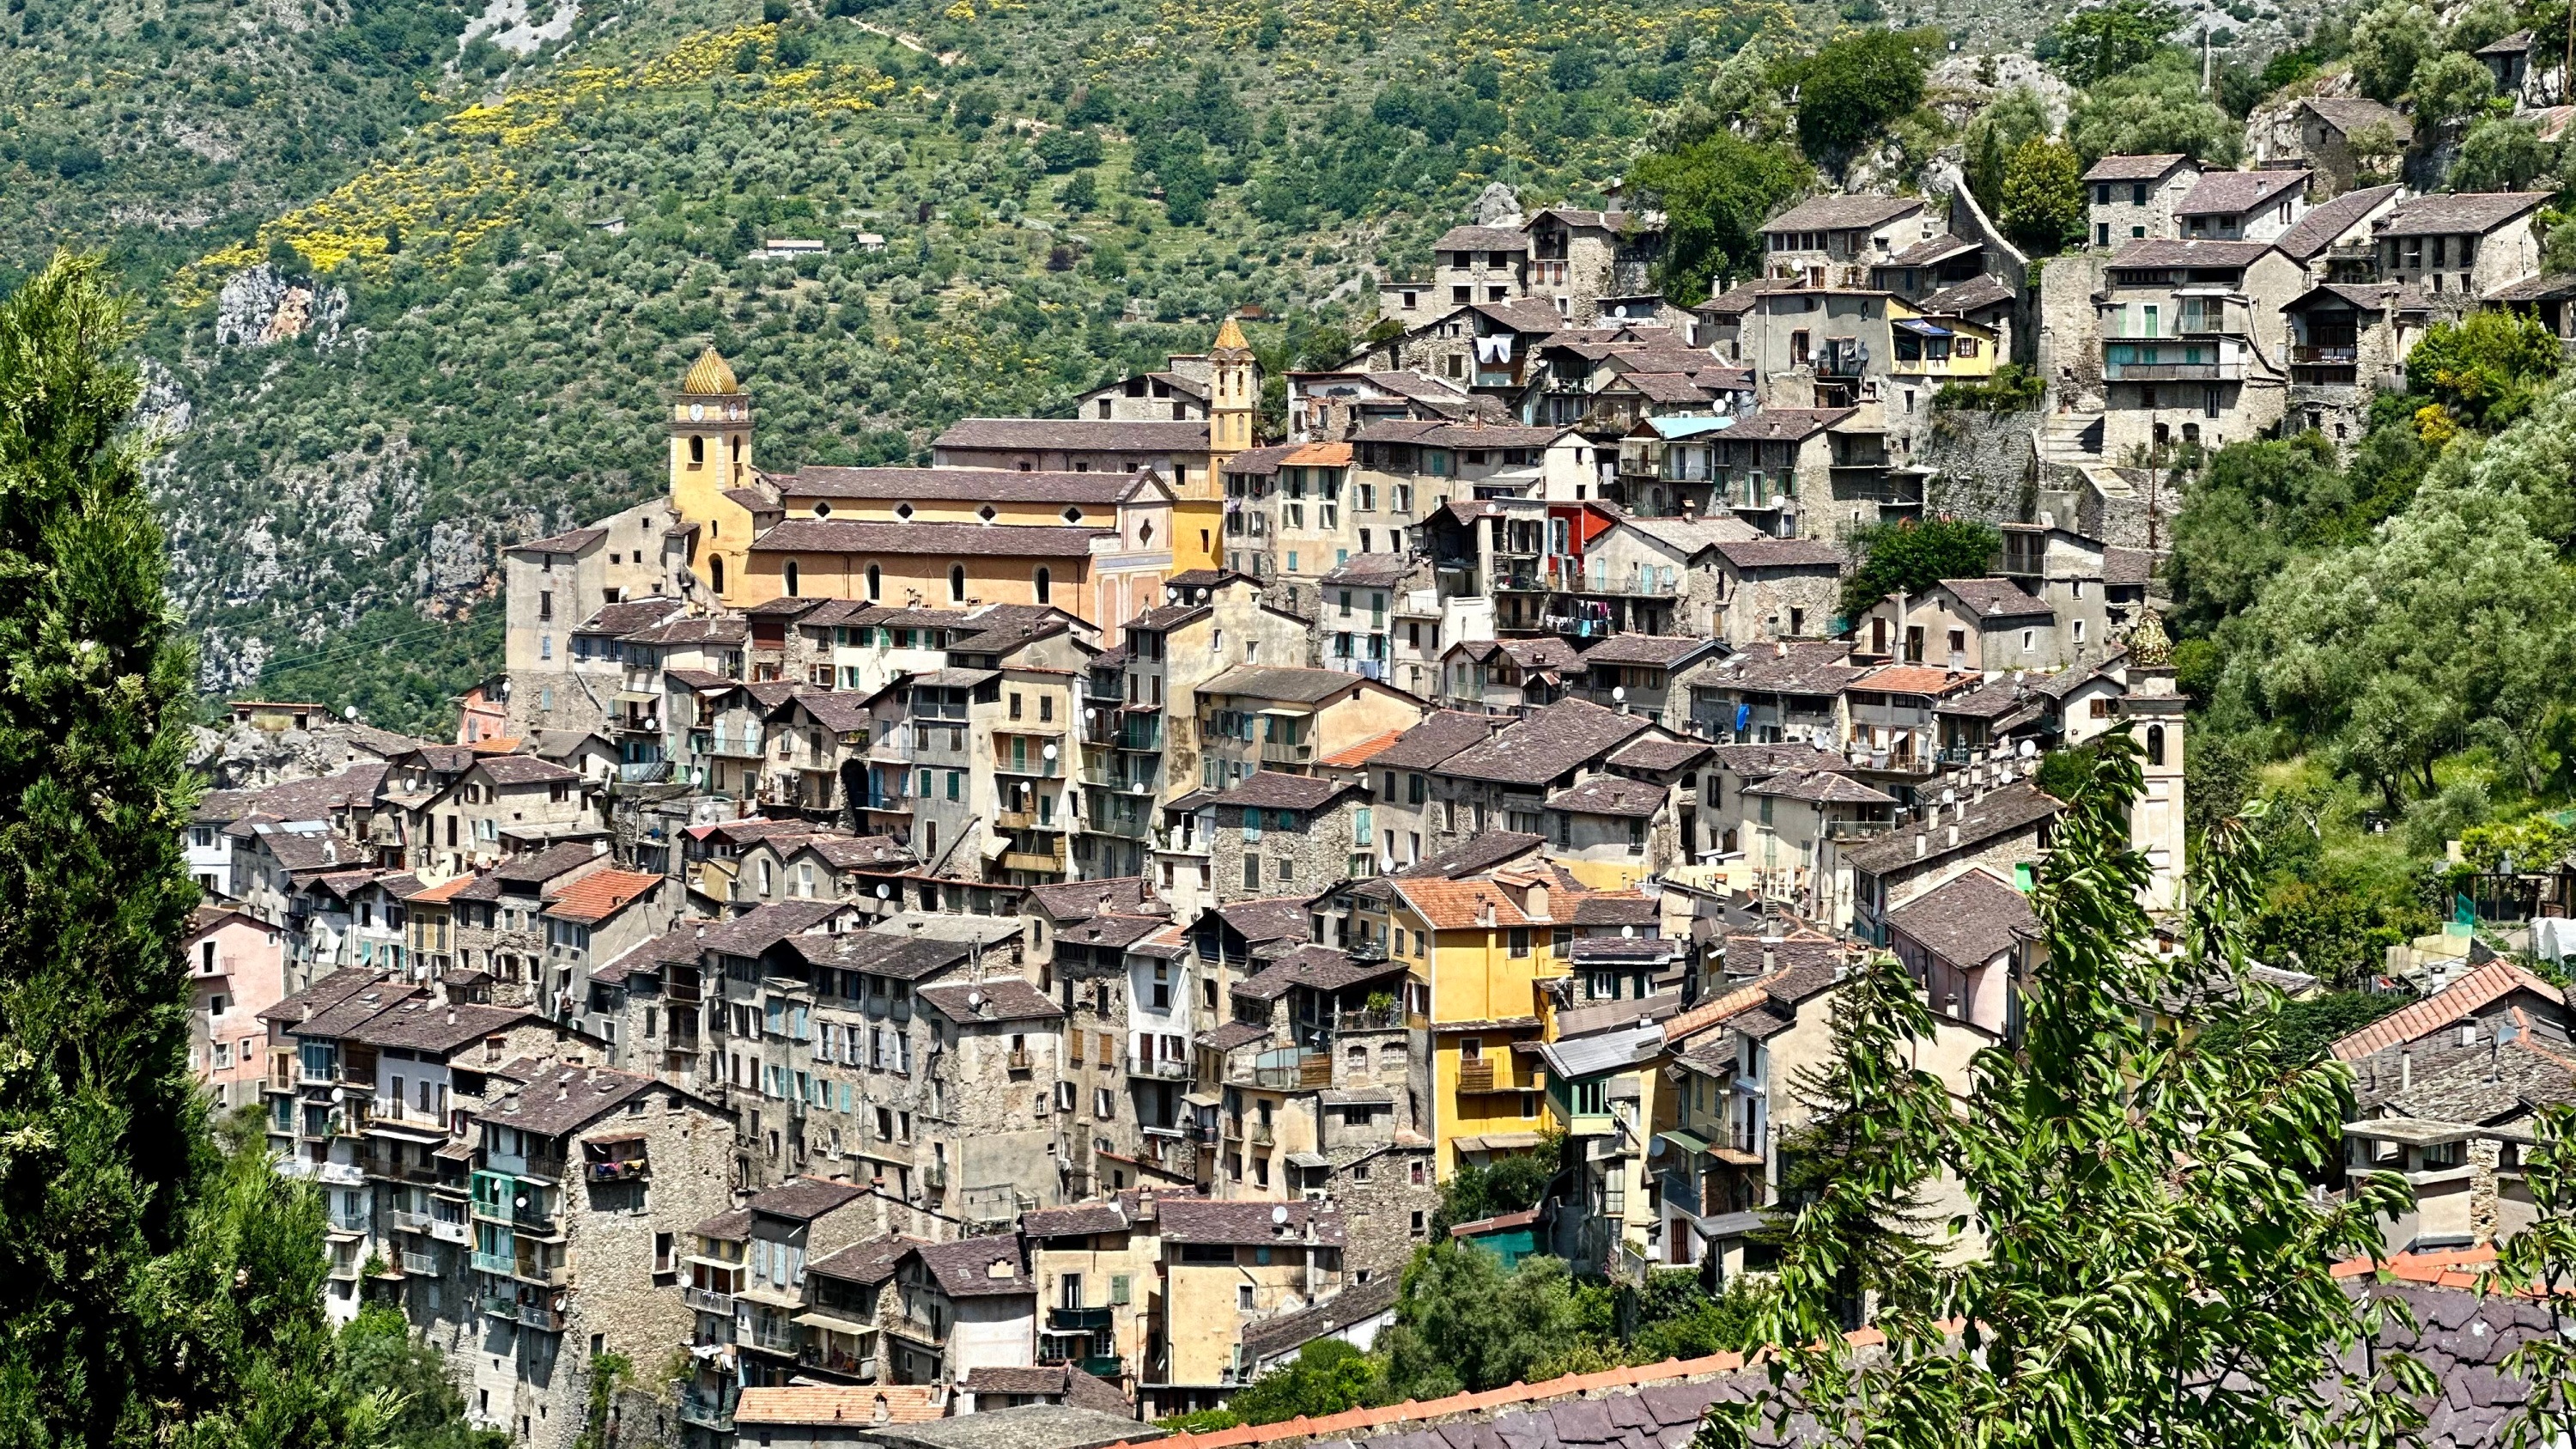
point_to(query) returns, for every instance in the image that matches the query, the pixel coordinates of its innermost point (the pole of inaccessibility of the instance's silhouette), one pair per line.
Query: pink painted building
(237, 968)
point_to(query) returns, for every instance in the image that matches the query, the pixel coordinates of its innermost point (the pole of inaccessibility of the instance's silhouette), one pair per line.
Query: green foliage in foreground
(2147, 1262)
(157, 1290)
(1914, 556)
(381, 1355)
(1506, 1185)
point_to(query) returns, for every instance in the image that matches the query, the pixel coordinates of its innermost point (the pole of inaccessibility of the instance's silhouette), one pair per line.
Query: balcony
(1078, 1320)
(707, 1300)
(1475, 1076)
(498, 1264)
(831, 1358)
(1020, 1060)
(1261, 1134)
(552, 1275)
(1044, 862)
(620, 1169)
(1291, 1070)
(1143, 734)
(407, 1222)
(448, 1231)
(1160, 1069)
(1287, 752)
(497, 1305)
(420, 1265)
(708, 1408)
(771, 1336)
(537, 1315)
(2344, 356)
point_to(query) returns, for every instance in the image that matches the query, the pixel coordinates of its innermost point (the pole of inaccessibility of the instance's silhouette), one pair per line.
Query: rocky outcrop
(260, 307)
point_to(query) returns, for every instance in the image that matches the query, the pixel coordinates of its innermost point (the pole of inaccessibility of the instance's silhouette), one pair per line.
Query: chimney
(1954, 837)
(2406, 1070)
(1918, 845)
(1770, 954)
(451, 1016)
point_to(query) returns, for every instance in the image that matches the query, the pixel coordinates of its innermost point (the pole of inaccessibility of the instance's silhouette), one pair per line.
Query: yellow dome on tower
(1229, 338)
(710, 377)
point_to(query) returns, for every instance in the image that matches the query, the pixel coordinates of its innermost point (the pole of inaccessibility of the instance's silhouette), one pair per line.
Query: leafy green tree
(1079, 193)
(1477, 1191)
(1854, 84)
(2253, 504)
(2501, 153)
(2096, 44)
(157, 1290)
(2540, 1262)
(2141, 1259)
(1461, 1322)
(1328, 1377)
(2450, 85)
(2388, 42)
(381, 1356)
(2043, 196)
(1715, 192)
(1914, 556)
(2150, 110)
(2018, 115)
(2484, 370)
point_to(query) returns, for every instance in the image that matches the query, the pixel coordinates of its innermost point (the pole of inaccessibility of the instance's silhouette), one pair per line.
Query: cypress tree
(154, 1288)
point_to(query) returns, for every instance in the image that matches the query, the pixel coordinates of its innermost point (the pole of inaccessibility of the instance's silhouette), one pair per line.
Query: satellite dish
(348, 711)
(1279, 1214)
(1949, 797)
(883, 890)
(1618, 694)
(2028, 749)
(1627, 933)
(1048, 752)
(974, 999)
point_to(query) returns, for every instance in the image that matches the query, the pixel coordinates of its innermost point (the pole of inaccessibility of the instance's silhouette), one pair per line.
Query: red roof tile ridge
(2440, 1009)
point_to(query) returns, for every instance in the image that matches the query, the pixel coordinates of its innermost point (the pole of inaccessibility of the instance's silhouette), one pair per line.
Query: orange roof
(1361, 753)
(2496, 979)
(1708, 1013)
(601, 894)
(442, 892)
(1912, 679)
(1457, 904)
(840, 1404)
(1320, 455)
(497, 745)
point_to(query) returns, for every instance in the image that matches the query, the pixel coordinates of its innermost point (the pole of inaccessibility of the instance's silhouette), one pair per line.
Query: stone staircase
(2071, 440)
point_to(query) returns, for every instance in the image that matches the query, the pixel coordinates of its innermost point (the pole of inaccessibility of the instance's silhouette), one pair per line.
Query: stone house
(1476, 264)
(1504, 782)
(2133, 198)
(1784, 470)
(1227, 1265)
(2189, 334)
(1834, 240)
(1323, 406)
(1738, 1057)
(1002, 1098)
(1981, 624)
(2348, 139)
(498, 805)
(785, 1229)
(819, 768)
(1097, 1270)
(1279, 832)
(2463, 245)
(2258, 205)
(1971, 944)
(1791, 691)
(2000, 829)
(1791, 827)
(1508, 676)
(961, 1306)
(2349, 340)
(720, 732)
(1641, 674)
(1584, 263)
(591, 922)
(498, 918)
(561, 587)
(1400, 770)
(585, 1181)
(1256, 717)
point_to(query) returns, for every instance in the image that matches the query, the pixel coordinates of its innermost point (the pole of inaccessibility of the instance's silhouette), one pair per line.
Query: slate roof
(1658, 650)
(1967, 921)
(714, 629)
(2317, 230)
(1476, 854)
(1658, 756)
(1606, 909)
(321, 996)
(1075, 1220)
(1440, 433)
(2454, 213)
(1973, 295)
(2350, 114)
(2173, 252)
(630, 615)
(895, 954)
(1545, 745)
(564, 1099)
(762, 927)
(1075, 899)
(1842, 213)
(966, 1267)
(1283, 1331)
(871, 1261)
(572, 542)
(1259, 462)
(1317, 968)
(1274, 918)
(804, 1198)
(1294, 685)
(1819, 787)
(1929, 252)
(1817, 667)
(2003, 811)
(1482, 239)
(940, 540)
(417, 1023)
(1246, 1223)
(1786, 425)
(2232, 193)
(1275, 789)
(969, 485)
(1004, 998)
(1614, 795)
(2134, 168)
(1080, 435)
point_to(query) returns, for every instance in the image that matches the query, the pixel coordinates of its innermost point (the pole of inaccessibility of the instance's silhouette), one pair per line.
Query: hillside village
(1040, 929)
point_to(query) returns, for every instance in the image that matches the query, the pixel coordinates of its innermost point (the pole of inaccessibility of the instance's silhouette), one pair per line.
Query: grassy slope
(503, 361)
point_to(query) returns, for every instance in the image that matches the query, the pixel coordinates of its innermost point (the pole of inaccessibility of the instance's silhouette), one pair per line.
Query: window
(1520, 942)
(1243, 1294)
(876, 583)
(791, 577)
(1045, 585)
(956, 583)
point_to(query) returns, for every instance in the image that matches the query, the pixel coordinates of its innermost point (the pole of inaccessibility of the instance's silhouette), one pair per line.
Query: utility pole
(2204, 59)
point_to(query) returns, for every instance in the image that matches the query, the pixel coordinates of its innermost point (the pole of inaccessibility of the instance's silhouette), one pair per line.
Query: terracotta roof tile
(601, 894)
(2489, 983)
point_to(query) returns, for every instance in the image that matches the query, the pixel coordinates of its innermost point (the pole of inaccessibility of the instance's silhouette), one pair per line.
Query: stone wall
(1985, 465)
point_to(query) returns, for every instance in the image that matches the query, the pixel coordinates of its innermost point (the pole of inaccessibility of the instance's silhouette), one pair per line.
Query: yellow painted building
(1483, 946)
